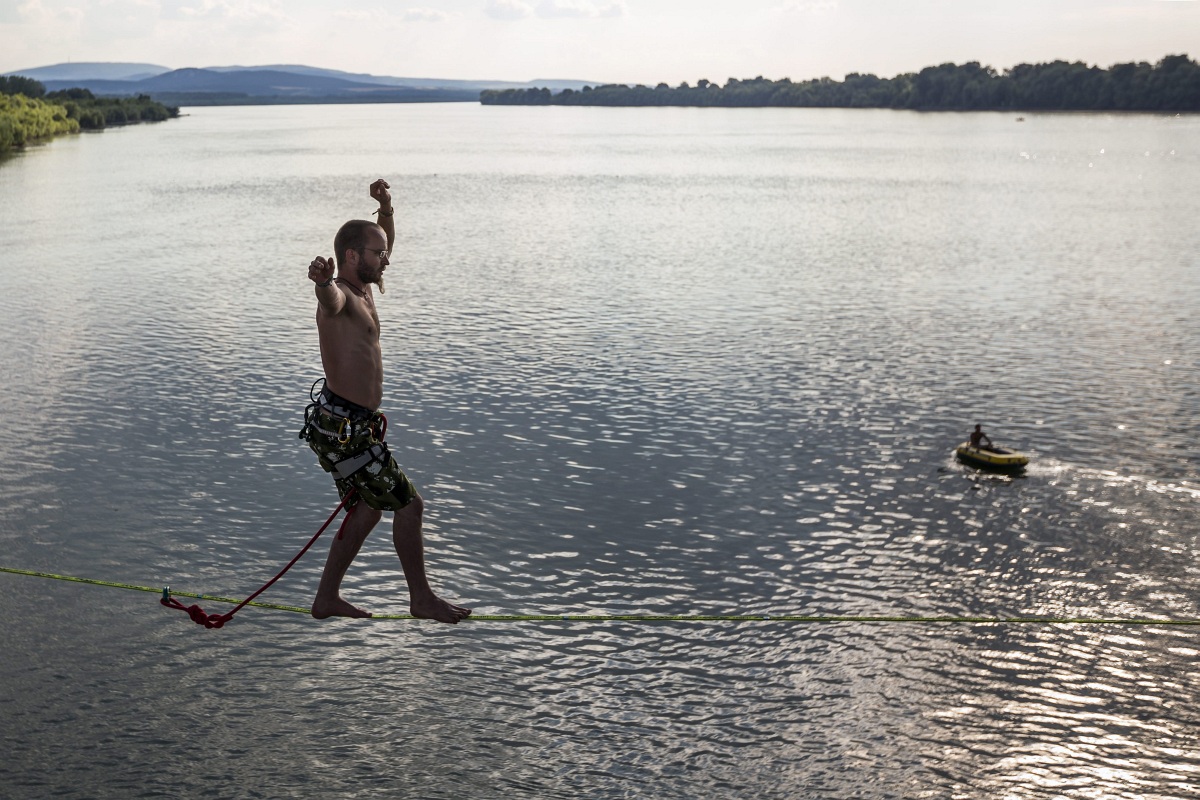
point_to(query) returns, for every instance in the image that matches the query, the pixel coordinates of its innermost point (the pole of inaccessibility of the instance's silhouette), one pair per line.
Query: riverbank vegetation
(28, 113)
(1172, 84)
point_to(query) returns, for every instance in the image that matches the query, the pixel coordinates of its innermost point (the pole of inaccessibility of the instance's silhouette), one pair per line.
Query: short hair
(351, 236)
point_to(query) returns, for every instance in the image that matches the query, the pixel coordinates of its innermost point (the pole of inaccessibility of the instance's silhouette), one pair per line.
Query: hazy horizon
(605, 41)
(555, 78)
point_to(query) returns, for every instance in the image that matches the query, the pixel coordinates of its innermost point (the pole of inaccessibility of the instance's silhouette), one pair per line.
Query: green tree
(19, 84)
(1171, 85)
(24, 119)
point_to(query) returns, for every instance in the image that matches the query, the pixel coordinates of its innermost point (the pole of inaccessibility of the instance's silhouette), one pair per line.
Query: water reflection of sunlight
(1058, 469)
(1086, 713)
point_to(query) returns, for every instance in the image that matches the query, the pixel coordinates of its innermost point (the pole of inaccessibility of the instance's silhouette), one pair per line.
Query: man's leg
(329, 602)
(410, 546)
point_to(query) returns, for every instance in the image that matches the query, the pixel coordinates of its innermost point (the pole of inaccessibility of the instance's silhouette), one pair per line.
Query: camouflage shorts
(355, 444)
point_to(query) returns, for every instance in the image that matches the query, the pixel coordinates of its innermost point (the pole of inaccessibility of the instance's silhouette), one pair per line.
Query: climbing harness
(355, 420)
(201, 617)
(376, 453)
(333, 405)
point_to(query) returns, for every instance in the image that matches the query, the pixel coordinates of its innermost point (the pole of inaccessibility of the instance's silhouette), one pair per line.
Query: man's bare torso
(350, 351)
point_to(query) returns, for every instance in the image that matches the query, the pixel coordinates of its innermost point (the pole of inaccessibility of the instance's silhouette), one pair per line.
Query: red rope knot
(197, 614)
(202, 617)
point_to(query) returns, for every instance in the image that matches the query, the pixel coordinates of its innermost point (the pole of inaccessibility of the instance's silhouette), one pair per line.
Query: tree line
(1172, 84)
(28, 113)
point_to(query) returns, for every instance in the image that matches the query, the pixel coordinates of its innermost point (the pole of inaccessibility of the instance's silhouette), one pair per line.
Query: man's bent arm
(329, 294)
(331, 297)
(379, 190)
(389, 226)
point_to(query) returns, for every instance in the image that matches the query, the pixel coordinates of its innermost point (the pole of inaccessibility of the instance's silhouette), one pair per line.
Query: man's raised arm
(379, 190)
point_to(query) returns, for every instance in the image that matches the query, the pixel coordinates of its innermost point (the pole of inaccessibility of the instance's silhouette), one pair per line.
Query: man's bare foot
(337, 608)
(439, 610)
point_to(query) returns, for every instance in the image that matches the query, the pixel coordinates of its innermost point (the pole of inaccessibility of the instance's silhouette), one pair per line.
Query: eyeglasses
(381, 254)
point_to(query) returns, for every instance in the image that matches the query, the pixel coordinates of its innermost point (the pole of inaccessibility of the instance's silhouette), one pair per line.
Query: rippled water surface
(639, 361)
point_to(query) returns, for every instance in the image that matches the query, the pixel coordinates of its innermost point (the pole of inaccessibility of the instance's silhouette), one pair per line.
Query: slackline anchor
(202, 617)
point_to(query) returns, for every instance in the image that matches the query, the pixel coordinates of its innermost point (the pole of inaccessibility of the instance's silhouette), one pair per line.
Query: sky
(617, 41)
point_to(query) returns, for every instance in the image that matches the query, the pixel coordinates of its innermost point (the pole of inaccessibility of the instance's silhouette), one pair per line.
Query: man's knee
(416, 508)
(412, 512)
(366, 514)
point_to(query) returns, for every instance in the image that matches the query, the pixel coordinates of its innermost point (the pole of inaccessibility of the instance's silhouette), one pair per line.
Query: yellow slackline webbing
(647, 617)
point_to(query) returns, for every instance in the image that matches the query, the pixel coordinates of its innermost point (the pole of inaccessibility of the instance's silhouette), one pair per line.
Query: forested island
(1172, 84)
(28, 113)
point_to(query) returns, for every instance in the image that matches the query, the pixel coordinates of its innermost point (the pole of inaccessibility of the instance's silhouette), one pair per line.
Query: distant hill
(259, 87)
(280, 83)
(417, 83)
(92, 70)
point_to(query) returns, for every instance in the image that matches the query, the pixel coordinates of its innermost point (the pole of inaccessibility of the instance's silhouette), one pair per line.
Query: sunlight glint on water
(667, 361)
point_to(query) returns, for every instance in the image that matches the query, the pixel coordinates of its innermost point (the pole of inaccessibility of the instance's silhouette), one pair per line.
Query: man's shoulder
(350, 303)
(352, 311)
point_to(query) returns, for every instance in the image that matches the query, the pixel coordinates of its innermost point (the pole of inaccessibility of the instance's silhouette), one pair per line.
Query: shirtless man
(978, 437)
(344, 427)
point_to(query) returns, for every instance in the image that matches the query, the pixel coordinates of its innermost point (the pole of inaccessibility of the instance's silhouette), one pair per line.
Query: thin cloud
(508, 9)
(358, 16)
(34, 12)
(807, 6)
(238, 12)
(579, 9)
(425, 15)
(391, 20)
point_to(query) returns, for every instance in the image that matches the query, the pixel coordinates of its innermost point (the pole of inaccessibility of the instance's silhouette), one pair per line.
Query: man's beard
(367, 275)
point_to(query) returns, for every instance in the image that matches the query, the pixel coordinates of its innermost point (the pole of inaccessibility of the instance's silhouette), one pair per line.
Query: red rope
(201, 617)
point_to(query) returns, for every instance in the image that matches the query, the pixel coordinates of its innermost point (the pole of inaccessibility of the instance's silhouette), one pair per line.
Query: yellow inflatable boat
(995, 458)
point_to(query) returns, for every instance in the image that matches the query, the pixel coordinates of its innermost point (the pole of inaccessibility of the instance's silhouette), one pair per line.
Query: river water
(639, 361)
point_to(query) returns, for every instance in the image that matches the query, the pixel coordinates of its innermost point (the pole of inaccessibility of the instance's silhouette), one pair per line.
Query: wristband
(383, 213)
(326, 283)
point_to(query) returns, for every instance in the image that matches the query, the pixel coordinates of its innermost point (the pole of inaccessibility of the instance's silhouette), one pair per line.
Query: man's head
(361, 250)
(977, 427)
(353, 236)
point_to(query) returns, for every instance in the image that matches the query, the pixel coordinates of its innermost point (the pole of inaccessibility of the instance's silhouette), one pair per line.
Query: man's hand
(379, 190)
(320, 270)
